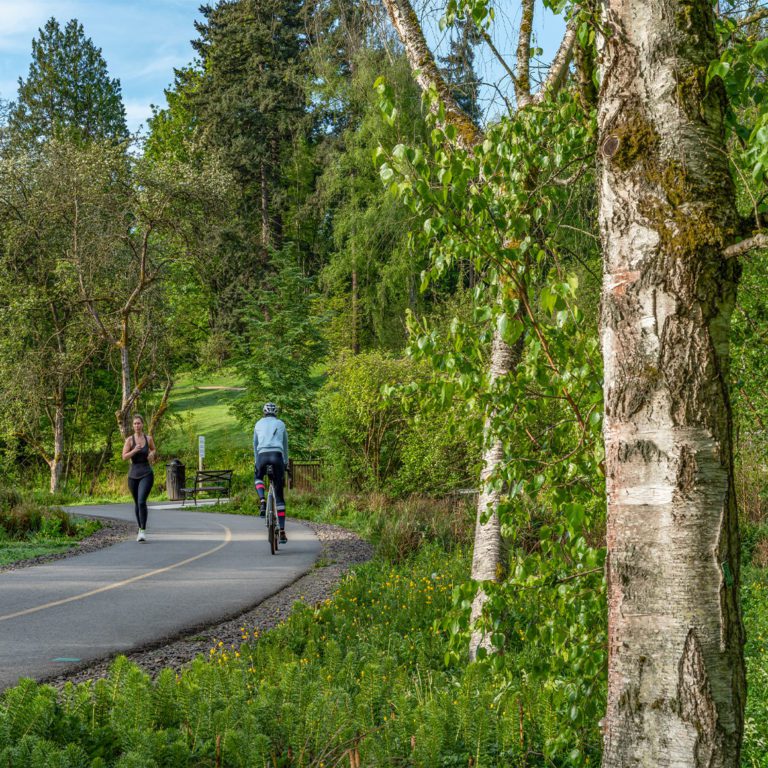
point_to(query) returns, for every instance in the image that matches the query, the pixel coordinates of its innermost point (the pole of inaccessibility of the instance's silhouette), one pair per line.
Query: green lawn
(196, 410)
(13, 551)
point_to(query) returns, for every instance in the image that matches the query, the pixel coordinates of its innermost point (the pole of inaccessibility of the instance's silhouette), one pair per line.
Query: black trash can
(175, 479)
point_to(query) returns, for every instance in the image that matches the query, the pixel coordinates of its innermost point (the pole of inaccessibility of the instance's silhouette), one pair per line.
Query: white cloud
(136, 114)
(161, 65)
(21, 20)
(8, 89)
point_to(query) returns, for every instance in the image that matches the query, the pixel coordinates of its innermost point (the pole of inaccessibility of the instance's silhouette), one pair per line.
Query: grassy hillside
(200, 406)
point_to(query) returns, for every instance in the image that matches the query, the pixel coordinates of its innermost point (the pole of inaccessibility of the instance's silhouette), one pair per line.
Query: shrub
(28, 518)
(360, 427)
(9, 498)
(377, 439)
(436, 457)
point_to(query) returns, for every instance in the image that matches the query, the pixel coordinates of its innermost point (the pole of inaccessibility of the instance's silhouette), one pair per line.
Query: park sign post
(200, 451)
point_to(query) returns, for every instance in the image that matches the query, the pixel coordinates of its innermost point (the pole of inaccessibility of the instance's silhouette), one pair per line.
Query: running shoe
(141, 536)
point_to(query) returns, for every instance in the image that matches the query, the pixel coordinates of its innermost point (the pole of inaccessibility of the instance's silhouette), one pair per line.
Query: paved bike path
(196, 568)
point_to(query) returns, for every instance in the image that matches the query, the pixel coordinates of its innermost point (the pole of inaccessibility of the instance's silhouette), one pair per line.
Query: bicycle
(273, 526)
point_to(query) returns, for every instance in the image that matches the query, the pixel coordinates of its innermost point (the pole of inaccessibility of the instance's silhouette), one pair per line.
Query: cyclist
(270, 446)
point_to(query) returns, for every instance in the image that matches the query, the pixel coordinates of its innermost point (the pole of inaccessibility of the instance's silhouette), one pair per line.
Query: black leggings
(140, 490)
(275, 458)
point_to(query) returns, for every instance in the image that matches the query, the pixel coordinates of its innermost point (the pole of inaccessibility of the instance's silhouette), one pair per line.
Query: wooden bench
(218, 481)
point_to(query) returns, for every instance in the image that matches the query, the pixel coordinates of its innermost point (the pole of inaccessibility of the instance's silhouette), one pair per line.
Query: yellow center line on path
(125, 582)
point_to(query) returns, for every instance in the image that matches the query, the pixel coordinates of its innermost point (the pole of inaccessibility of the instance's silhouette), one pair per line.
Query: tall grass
(29, 529)
(397, 527)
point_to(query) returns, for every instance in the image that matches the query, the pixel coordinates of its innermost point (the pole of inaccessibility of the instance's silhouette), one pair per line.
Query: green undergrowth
(754, 596)
(358, 680)
(364, 679)
(30, 529)
(396, 527)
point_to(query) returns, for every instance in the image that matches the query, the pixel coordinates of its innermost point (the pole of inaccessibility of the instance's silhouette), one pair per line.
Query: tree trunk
(56, 463)
(355, 318)
(126, 401)
(265, 224)
(676, 685)
(486, 556)
(427, 73)
(162, 408)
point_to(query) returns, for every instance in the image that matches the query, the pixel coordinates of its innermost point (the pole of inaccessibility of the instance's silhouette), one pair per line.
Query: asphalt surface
(196, 568)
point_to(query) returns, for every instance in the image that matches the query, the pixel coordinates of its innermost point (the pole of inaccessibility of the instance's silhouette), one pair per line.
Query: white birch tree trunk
(676, 685)
(486, 554)
(56, 463)
(126, 401)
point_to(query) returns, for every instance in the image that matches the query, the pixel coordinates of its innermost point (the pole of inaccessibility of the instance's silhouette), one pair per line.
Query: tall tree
(669, 224)
(68, 92)
(138, 219)
(676, 682)
(370, 274)
(459, 70)
(251, 102)
(172, 128)
(44, 343)
(486, 562)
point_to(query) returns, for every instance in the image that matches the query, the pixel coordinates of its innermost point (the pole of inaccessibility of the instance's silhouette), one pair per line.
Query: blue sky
(143, 40)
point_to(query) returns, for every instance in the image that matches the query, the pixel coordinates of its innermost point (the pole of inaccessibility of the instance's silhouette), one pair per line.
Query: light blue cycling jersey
(270, 434)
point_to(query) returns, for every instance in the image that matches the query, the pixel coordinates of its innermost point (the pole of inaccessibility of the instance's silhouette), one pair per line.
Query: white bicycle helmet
(270, 409)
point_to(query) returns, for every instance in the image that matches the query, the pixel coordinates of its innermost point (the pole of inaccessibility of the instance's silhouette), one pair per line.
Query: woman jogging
(140, 449)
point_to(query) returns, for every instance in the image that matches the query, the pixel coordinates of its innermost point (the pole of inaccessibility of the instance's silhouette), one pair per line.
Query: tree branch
(523, 79)
(751, 243)
(162, 408)
(559, 67)
(495, 51)
(426, 71)
(754, 18)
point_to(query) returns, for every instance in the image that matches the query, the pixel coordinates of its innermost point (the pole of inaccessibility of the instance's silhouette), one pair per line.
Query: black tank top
(140, 466)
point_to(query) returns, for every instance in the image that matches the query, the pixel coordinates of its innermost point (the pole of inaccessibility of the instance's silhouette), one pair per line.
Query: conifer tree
(458, 68)
(251, 102)
(68, 92)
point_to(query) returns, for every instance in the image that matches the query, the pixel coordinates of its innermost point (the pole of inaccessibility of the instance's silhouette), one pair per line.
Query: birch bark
(56, 463)
(486, 553)
(676, 685)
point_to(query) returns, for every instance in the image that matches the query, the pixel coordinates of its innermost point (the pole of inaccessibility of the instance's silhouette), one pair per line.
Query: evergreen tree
(458, 68)
(172, 128)
(251, 104)
(279, 352)
(68, 92)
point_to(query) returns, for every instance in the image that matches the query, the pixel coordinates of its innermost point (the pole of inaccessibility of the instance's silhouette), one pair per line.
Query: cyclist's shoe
(283, 537)
(263, 508)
